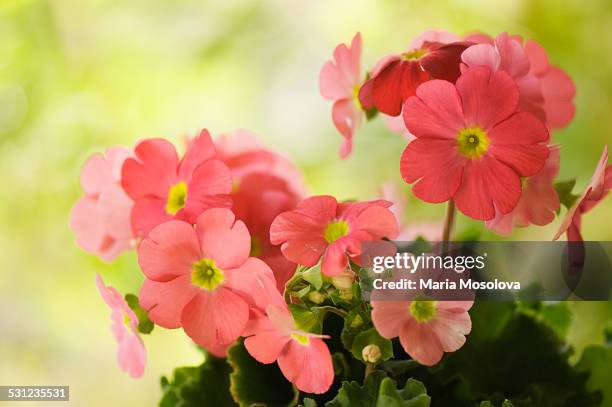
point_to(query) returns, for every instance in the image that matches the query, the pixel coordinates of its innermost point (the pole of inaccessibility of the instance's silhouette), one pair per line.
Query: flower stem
(369, 368)
(341, 313)
(449, 221)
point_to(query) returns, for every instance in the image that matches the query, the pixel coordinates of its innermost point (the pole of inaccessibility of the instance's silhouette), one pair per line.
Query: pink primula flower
(322, 227)
(539, 201)
(339, 80)
(544, 90)
(202, 278)
(265, 185)
(258, 200)
(101, 218)
(396, 77)
(471, 145)
(426, 328)
(164, 187)
(131, 353)
(303, 357)
(596, 191)
(244, 154)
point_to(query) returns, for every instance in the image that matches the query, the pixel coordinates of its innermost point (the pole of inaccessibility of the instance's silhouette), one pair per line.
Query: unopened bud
(344, 280)
(346, 295)
(371, 354)
(316, 297)
(357, 322)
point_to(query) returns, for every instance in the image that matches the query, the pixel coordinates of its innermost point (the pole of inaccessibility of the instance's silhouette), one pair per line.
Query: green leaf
(353, 394)
(511, 354)
(505, 403)
(380, 391)
(306, 319)
(371, 337)
(253, 383)
(145, 325)
(412, 395)
(202, 386)
(355, 322)
(313, 276)
(564, 190)
(309, 403)
(597, 359)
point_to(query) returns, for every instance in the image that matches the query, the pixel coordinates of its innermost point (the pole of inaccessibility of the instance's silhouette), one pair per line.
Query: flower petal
(223, 238)
(309, 367)
(389, 317)
(421, 343)
(164, 301)
(435, 111)
(266, 341)
(435, 166)
(487, 98)
(255, 282)
(200, 149)
(395, 83)
(487, 184)
(153, 172)
(215, 318)
(169, 251)
(517, 143)
(346, 117)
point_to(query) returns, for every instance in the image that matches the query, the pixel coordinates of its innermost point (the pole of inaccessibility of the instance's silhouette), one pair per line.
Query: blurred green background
(77, 76)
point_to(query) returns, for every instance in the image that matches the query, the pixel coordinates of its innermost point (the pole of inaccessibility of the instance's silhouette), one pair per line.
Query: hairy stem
(449, 221)
(369, 368)
(341, 313)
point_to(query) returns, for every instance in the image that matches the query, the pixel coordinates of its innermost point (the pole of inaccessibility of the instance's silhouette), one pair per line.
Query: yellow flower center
(423, 310)
(472, 142)
(301, 339)
(413, 54)
(177, 196)
(335, 230)
(356, 100)
(126, 320)
(206, 275)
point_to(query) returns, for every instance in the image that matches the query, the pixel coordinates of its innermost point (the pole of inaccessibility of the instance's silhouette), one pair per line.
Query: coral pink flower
(303, 357)
(544, 90)
(339, 80)
(539, 201)
(265, 185)
(244, 154)
(596, 191)
(202, 278)
(397, 77)
(558, 89)
(131, 353)
(426, 328)
(322, 227)
(471, 145)
(101, 218)
(165, 188)
(257, 202)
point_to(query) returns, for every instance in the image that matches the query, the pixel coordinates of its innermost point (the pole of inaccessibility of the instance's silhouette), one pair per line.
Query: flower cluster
(231, 246)
(208, 229)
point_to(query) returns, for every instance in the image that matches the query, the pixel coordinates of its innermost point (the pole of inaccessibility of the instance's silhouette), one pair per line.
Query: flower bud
(316, 297)
(344, 280)
(357, 322)
(371, 354)
(346, 295)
